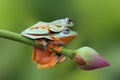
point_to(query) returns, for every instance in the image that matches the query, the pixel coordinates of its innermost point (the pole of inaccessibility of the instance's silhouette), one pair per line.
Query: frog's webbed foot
(53, 62)
(55, 58)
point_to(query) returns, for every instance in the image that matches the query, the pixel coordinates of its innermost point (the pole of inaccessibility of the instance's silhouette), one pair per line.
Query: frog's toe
(61, 58)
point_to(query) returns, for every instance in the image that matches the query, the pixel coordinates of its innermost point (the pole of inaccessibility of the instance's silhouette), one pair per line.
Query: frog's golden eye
(68, 20)
(66, 30)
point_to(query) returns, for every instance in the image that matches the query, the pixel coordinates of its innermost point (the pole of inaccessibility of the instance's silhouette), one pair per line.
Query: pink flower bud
(88, 59)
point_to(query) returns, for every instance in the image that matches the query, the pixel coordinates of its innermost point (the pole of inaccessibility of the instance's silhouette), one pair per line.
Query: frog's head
(63, 22)
(64, 36)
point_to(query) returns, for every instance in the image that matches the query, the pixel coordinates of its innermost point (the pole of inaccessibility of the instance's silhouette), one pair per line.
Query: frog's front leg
(42, 42)
(53, 47)
(57, 48)
(38, 42)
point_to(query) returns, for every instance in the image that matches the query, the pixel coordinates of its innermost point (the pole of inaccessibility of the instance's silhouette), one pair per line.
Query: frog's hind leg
(45, 59)
(40, 55)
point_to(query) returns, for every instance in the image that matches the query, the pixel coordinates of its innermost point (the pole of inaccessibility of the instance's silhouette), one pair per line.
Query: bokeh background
(96, 21)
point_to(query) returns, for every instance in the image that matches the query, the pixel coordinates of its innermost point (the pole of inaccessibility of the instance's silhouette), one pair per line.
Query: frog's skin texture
(51, 35)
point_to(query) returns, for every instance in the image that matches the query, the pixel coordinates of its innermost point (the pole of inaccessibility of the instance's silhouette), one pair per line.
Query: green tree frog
(51, 35)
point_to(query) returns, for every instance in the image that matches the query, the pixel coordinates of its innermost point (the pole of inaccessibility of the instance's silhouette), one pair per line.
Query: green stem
(67, 52)
(17, 37)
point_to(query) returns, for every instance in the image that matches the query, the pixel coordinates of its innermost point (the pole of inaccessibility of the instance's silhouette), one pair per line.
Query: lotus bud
(88, 59)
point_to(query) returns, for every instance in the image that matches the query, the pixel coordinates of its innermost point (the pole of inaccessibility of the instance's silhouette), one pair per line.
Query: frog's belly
(63, 41)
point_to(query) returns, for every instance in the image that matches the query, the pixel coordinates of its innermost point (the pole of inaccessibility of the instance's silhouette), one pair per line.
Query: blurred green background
(96, 21)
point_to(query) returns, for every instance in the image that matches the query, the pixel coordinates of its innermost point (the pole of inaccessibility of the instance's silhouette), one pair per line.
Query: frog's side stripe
(37, 37)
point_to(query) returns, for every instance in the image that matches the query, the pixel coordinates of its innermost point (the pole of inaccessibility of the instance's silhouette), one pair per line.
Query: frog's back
(41, 30)
(37, 31)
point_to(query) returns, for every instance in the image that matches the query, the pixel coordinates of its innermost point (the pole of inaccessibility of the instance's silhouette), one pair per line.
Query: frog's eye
(68, 20)
(66, 30)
